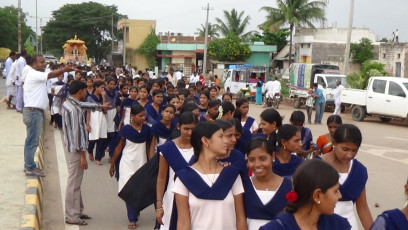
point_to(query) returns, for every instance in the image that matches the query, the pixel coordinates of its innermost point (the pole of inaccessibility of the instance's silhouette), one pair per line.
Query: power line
(88, 19)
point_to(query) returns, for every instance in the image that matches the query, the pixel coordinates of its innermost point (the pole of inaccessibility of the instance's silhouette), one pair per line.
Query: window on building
(379, 86)
(399, 56)
(395, 90)
(384, 55)
(301, 45)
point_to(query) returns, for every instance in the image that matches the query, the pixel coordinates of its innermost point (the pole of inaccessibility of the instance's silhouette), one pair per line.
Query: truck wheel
(358, 113)
(385, 119)
(296, 103)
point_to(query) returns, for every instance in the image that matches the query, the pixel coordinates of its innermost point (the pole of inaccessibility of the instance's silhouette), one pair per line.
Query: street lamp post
(36, 32)
(41, 35)
(36, 27)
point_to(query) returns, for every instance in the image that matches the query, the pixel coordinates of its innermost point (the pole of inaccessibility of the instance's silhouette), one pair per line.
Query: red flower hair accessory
(291, 196)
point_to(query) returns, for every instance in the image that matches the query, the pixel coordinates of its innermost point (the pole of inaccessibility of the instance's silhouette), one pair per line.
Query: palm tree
(212, 30)
(294, 13)
(234, 24)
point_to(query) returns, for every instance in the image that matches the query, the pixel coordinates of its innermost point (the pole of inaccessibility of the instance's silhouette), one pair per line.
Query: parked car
(50, 58)
(385, 97)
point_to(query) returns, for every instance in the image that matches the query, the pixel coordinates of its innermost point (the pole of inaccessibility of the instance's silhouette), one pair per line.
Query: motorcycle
(274, 101)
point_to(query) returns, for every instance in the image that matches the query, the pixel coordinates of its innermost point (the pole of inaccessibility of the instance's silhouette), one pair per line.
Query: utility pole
(36, 27)
(112, 34)
(19, 26)
(350, 27)
(205, 39)
(124, 43)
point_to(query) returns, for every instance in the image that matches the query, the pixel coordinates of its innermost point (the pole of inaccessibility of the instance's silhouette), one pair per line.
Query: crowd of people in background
(217, 167)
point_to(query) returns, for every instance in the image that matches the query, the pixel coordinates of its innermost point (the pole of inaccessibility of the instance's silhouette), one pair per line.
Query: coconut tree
(235, 23)
(212, 30)
(293, 13)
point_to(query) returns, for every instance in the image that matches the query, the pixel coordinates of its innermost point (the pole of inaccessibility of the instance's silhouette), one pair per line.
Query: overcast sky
(184, 16)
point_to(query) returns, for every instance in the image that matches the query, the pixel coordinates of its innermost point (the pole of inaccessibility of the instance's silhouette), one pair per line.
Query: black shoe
(35, 172)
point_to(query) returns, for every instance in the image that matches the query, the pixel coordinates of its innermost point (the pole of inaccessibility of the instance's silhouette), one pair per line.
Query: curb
(32, 213)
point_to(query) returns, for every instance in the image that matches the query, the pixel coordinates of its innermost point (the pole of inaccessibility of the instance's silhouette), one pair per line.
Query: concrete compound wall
(32, 214)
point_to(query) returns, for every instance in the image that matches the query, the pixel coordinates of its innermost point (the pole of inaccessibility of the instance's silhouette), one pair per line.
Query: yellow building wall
(137, 31)
(180, 60)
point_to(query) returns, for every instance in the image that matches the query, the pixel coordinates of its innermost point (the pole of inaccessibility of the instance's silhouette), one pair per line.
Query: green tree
(228, 49)
(362, 51)
(278, 38)
(149, 49)
(369, 69)
(29, 47)
(293, 13)
(212, 30)
(90, 21)
(235, 23)
(384, 40)
(8, 27)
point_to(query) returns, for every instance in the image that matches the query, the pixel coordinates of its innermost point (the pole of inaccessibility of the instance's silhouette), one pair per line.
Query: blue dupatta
(248, 123)
(255, 209)
(112, 97)
(129, 133)
(160, 130)
(286, 169)
(393, 220)
(355, 183)
(287, 221)
(151, 114)
(243, 141)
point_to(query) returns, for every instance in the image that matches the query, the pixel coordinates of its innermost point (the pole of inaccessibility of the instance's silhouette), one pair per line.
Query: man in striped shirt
(76, 142)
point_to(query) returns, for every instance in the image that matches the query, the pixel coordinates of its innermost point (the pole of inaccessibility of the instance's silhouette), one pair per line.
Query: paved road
(383, 152)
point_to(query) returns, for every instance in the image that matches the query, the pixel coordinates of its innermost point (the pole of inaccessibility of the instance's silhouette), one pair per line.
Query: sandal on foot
(85, 217)
(132, 225)
(80, 222)
(98, 162)
(90, 156)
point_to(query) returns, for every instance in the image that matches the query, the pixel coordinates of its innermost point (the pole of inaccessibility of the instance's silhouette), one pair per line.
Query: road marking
(397, 138)
(381, 151)
(63, 173)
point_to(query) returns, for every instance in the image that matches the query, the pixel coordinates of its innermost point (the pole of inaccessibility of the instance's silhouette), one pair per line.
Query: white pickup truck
(385, 97)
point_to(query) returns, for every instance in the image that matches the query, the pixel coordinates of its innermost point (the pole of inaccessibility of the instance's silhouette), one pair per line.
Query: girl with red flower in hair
(312, 200)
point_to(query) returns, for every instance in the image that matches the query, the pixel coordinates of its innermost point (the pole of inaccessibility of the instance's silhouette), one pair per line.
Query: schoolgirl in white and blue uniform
(208, 195)
(265, 191)
(353, 175)
(133, 147)
(174, 156)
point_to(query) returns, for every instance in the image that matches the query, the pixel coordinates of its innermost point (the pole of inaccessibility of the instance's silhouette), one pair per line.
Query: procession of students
(218, 168)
